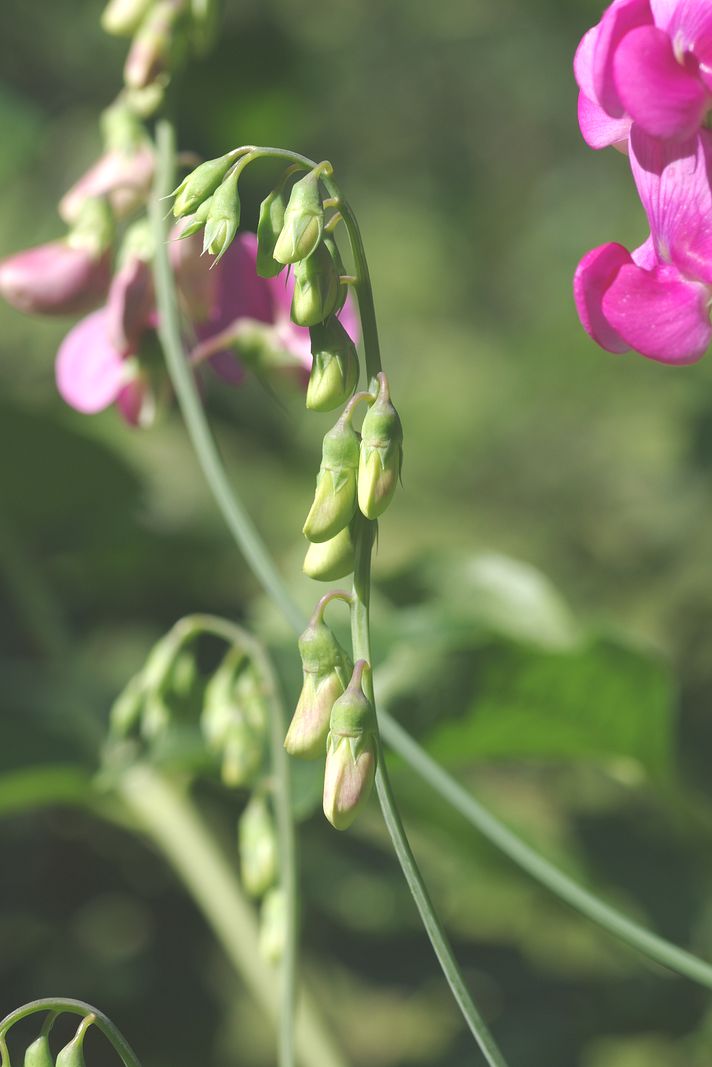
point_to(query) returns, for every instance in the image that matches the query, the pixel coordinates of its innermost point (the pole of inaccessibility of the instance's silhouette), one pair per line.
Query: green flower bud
(122, 18)
(335, 369)
(316, 288)
(269, 227)
(381, 454)
(200, 184)
(273, 926)
(350, 754)
(257, 845)
(197, 221)
(94, 228)
(326, 561)
(72, 1055)
(39, 1054)
(327, 668)
(127, 708)
(223, 217)
(335, 499)
(233, 719)
(303, 222)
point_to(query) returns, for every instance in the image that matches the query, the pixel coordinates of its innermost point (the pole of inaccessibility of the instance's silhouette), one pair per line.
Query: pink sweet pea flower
(124, 176)
(58, 278)
(647, 62)
(657, 300)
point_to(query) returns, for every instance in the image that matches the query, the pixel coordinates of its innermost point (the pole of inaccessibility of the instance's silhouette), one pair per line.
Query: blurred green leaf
(40, 787)
(604, 700)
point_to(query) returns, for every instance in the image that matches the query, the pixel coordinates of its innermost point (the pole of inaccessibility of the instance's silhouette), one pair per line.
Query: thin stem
(174, 824)
(657, 948)
(542, 870)
(91, 1015)
(235, 516)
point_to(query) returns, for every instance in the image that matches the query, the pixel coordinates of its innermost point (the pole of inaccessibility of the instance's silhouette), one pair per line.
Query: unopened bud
(122, 18)
(335, 368)
(55, 279)
(335, 499)
(233, 719)
(269, 227)
(130, 306)
(381, 454)
(316, 288)
(223, 217)
(303, 222)
(150, 49)
(257, 844)
(197, 221)
(201, 183)
(94, 228)
(327, 668)
(350, 753)
(273, 926)
(123, 175)
(72, 1055)
(39, 1054)
(328, 560)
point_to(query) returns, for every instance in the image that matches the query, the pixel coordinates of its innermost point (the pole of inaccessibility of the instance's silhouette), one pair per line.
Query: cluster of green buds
(39, 1052)
(234, 719)
(358, 473)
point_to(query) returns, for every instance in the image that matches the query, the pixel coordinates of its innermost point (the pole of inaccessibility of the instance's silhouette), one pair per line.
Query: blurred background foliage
(544, 600)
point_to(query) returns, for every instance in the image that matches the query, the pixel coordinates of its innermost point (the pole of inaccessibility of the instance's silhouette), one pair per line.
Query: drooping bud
(269, 227)
(350, 753)
(122, 18)
(381, 454)
(316, 288)
(54, 279)
(197, 221)
(327, 668)
(39, 1054)
(273, 926)
(233, 719)
(335, 368)
(257, 843)
(200, 184)
(326, 561)
(223, 217)
(303, 222)
(72, 1055)
(150, 49)
(335, 498)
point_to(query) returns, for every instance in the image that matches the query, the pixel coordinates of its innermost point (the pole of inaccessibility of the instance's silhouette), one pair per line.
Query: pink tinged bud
(351, 753)
(55, 279)
(131, 305)
(150, 49)
(124, 176)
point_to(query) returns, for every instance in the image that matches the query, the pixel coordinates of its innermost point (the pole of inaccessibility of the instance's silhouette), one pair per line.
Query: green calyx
(223, 217)
(303, 222)
(198, 220)
(381, 454)
(94, 229)
(335, 367)
(122, 18)
(320, 650)
(316, 288)
(335, 498)
(39, 1054)
(200, 184)
(353, 714)
(326, 561)
(269, 227)
(257, 845)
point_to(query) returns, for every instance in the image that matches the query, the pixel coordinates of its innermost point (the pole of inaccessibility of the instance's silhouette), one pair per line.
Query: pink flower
(647, 62)
(657, 300)
(58, 278)
(124, 176)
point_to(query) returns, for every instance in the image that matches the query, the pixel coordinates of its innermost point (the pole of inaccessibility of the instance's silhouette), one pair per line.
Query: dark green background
(452, 128)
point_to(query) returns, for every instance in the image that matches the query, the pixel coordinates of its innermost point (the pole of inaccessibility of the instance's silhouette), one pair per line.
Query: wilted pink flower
(657, 300)
(124, 176)
(58, 278)
(647, 62)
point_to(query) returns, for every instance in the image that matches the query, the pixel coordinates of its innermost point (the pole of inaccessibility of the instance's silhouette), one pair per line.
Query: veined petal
(617, 22)
(90, 373)
(594, 275)
(598, 129)
(664, 97)
(673, 181)
(659, 314)
(690, 26)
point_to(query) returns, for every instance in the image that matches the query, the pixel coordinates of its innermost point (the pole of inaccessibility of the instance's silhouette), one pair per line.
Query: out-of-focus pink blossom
(124, 176)
(131, 305)
(657, 300)
(58, 278)
(648, 62)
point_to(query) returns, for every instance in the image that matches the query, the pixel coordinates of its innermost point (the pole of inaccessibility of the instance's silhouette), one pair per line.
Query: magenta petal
(665, 98)
(659, 313)
(583, 63)
(673, 182)
(663, 11)
(598, 129)
(594, 274)
(617, 21)
(89, 371)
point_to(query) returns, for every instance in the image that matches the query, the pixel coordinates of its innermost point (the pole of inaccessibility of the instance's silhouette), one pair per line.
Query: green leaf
(605, 700)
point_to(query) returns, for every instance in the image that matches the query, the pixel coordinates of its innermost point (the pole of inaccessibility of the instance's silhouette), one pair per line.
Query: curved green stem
(57, 1005)
(542, 870)
(657, 948)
